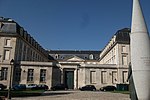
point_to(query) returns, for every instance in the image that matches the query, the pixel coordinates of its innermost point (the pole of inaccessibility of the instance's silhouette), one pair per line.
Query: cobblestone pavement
(77, 95)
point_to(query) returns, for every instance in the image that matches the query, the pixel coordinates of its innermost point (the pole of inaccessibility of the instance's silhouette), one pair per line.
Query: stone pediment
(75, 58)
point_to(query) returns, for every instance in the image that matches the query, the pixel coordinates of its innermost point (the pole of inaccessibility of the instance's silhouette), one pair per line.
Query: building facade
(117, 52)
(75, 68)
(99, 68)
(72, 66)
(17, 44)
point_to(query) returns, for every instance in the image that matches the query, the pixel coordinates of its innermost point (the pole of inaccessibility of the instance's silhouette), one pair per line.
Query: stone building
(72, 66)
(28, 55)
(35, 65)
(117, 52)
(99, 68)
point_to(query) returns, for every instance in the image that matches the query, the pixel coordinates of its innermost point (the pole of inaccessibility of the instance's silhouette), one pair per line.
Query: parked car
(59, 87)
(41, 87)
(108, 88)
(31, 86)
(2, 87)
(19, 87)
(88, 88)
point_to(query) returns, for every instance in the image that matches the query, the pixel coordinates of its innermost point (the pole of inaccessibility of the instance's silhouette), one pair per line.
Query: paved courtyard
(77, 95)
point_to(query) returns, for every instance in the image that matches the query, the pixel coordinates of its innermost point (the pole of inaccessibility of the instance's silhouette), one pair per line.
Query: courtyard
(77, 95)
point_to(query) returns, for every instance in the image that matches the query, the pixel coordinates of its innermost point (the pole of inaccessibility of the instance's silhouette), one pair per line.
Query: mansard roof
(9, 27)
(64, 54)
(74, 52)
(122, 36)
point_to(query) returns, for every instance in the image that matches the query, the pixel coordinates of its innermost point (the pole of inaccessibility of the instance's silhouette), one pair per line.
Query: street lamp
(10, 80)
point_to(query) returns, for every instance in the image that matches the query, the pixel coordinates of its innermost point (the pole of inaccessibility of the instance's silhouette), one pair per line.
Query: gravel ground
(77, 95)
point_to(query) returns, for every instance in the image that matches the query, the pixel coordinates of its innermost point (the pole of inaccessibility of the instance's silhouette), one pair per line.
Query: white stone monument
(140, 54)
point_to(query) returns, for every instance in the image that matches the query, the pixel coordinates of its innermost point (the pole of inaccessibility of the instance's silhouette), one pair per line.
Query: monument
(140, 55)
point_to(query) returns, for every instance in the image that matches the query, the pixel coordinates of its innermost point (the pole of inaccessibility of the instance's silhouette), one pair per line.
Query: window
(6, 54)
(104, 77)
(92, 77)
(124, 76)
(7, 42)
(20, 50)
(30, 75)
(124, 60)
(123, 49)
(21, 31)
(114, 59)
(91, 56)
(33, 56)
(114, 77)
(114, 51)
(4, 73)
(57, 56)
(24, 53)
(42, 75)
(36, 56)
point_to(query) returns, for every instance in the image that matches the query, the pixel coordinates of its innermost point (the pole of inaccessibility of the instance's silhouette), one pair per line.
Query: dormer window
(91, 56)
(56, 56)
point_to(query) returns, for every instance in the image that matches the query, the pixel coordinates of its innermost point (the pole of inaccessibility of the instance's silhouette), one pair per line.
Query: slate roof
(65, 54)
(73, 52)
(122, 36)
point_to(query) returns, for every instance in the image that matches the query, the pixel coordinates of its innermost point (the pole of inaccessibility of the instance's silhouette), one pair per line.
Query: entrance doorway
(69, 79)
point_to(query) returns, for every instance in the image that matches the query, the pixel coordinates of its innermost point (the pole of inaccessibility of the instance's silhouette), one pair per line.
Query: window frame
(42, 75)
(5, 54)
(104, 77)
(6, 43)
(93, 77)
(4, 73)
(30, 75)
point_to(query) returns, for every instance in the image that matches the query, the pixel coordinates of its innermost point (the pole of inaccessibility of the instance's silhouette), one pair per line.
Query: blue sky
(72, 24)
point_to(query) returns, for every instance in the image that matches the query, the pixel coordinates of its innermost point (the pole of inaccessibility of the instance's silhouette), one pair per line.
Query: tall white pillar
(140, 53)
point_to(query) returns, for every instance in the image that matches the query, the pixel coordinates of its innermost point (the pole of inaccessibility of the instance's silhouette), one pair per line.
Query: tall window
(33, 56)
(114, 77)
(28, 54)
(30, 74)
(24, 52)
(93, 77)
(20, 50)
(4, 73)
(124, 76)
(103, 77)
(6, 54)
(42, 75)
(7, 42)
(124, 60)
